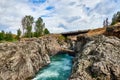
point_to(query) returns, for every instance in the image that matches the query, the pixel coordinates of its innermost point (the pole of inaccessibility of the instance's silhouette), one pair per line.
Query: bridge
(74, 33)
(73, 36)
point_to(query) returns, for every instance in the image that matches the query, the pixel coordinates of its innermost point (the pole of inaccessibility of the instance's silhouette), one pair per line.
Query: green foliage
(29, 32)
(2, 35)
(116, 18)
(18, 34)
(46, 31)
(9, 36)
(39, 27)
(60, 38)
(27, 23)
(32, 34)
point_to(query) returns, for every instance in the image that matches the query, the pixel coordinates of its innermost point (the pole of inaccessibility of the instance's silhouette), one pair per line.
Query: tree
(116, 18)
(27, 23)
(39, 27)
(46, 31)
(24, 26)
(9, 36)
(18, 34)
(105, 22)
(2, 35)
(29, 32)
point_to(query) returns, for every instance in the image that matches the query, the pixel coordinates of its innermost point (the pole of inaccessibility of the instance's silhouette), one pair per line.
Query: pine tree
(116, 18)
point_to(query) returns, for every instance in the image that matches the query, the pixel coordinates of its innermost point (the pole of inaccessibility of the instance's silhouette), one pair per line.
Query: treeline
(30, 28)
(8, 36)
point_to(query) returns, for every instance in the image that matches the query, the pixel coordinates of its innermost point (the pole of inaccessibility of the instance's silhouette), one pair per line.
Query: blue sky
(58, 15)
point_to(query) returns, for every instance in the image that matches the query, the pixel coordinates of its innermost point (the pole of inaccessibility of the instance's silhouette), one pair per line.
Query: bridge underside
(68, 51)
(74, 33)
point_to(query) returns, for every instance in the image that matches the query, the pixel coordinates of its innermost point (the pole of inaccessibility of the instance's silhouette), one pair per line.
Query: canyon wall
(97, 58)
(21, 60)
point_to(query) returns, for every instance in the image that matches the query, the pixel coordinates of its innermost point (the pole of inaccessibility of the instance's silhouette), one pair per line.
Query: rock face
(21, 60)
(98, 58)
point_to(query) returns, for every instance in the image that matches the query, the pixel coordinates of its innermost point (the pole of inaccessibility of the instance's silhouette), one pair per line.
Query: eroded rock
(22, 60)
(97, 59)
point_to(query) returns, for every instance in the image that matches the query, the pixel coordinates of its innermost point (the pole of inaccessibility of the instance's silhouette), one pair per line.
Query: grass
(3, 41)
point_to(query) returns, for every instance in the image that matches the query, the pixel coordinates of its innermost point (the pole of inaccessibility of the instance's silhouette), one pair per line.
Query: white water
(58, 69)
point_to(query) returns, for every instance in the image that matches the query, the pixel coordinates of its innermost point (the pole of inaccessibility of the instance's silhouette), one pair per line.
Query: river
(58, 69)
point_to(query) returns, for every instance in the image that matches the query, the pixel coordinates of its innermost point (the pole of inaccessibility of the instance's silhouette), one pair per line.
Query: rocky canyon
(97, 55)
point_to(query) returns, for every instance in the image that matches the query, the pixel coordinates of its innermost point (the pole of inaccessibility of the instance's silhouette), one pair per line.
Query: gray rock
(97, 59)
(22, 60)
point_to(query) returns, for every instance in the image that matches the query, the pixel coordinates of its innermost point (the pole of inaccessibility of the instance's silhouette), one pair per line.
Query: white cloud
(67, 15)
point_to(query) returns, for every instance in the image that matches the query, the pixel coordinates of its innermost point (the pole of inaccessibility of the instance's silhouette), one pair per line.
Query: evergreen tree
(116, 18)
(46, 31)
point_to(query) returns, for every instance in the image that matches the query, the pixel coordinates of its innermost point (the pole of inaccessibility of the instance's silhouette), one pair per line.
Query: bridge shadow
(67, 51)
(74, 33)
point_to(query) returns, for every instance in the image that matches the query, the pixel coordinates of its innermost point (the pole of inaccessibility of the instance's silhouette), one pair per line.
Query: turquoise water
(58, 69)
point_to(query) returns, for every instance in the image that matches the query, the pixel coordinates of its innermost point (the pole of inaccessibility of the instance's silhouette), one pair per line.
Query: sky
(58, 15)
